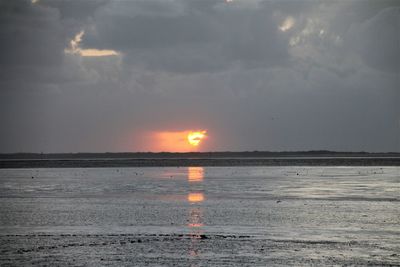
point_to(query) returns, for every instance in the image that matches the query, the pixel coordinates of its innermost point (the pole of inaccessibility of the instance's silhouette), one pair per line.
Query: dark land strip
(183, 162)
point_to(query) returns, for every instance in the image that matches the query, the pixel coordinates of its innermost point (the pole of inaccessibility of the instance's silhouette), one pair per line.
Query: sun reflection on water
(195, 174)
(195, 217)
(195, 178)
(195, 197)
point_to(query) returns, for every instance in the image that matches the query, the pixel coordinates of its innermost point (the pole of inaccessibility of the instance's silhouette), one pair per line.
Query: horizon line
(203, 152)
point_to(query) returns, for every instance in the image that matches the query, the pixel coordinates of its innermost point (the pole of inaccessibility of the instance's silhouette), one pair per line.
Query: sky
(139, 75)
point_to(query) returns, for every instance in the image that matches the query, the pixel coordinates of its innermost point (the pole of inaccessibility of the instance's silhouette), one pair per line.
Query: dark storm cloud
(327, 79)
(189, 36)
(378, 40)
(30, 35)
(32, 42)
(73, 9)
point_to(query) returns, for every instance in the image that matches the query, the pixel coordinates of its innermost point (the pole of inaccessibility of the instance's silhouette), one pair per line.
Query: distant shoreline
(220, 154)
(200, 161)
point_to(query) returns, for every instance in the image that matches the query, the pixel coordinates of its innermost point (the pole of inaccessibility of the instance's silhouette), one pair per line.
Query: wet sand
(200, 216)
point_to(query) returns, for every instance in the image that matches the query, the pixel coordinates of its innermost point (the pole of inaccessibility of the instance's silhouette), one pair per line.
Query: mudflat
(200, 216)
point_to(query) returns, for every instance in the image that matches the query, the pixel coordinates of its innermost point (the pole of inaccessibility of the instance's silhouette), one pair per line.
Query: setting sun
(190, 140)
(194, 138)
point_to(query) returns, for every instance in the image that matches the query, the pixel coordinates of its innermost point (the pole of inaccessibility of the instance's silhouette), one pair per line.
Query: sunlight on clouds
(97, 53)
(91, 52)
(34, 1)
(287, 24)
(74, 44)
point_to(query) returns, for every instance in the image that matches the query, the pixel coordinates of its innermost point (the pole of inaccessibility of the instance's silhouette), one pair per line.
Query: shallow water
(199, 216)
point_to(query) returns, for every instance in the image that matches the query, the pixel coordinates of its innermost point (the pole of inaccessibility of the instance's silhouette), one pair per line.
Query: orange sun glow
(172, 141)
(194, 138)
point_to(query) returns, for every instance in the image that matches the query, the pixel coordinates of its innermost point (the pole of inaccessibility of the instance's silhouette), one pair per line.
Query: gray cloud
(377, 40)
(72, 9)
(180, 37)
(30, 35)
(330, 81)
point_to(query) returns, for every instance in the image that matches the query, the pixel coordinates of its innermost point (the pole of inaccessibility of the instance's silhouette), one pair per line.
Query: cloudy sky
(114, 75)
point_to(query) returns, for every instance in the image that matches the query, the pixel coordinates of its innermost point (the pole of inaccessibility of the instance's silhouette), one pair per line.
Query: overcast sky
(98, 75)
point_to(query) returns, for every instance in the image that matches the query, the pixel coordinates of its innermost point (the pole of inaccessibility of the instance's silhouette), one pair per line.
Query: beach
(200, 216)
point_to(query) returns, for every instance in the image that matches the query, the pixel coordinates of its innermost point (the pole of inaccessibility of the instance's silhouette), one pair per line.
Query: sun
(189, 140)
(195, 137)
